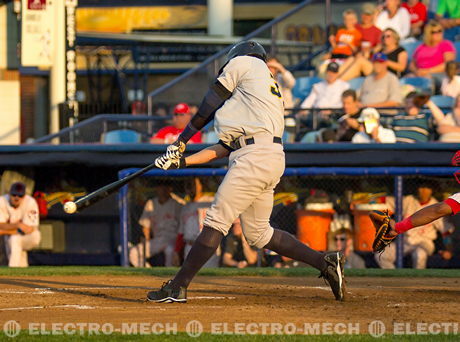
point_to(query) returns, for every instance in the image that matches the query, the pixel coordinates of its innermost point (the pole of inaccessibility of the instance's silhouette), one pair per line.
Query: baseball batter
(248, 112)
(19, 220)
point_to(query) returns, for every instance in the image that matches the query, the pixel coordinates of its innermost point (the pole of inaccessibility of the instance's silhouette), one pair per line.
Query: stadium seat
(445, 102)
(121, 136)
(421, 83)
(356, 83)
(410, 47)
(457, 47)
(303, 86)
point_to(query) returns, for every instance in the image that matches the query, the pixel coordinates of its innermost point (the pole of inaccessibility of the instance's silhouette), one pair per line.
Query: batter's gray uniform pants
(247, 190)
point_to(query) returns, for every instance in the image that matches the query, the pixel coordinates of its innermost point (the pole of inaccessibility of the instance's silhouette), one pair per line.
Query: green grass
(229, 338)
(217, 272)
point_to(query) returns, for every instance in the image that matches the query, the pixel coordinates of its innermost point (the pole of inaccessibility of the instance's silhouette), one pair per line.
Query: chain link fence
(326, 208)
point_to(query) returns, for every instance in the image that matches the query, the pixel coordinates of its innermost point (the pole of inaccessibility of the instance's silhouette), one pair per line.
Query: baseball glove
(381, 221)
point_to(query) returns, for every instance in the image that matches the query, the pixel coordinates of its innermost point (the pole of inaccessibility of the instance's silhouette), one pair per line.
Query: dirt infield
(294, 300)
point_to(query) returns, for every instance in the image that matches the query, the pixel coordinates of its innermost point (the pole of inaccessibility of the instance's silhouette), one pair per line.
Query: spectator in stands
(348, 123)
(418, 16)
(371, 34)
(160, 225)
(397, 55)
(347, 41)
(327, 94)
(418, 242)
(381, 89)
(394, 16)
(191, 219)
(450, 85)
(343, 239)
(19, 221)
(413, 126)
(430, 58)
(371, 131)
(285, 80)
(238, 253)
(449, 126)
(181, 117)
(448, 14)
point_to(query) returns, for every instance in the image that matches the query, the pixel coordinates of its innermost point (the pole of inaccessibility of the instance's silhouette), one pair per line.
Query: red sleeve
(454, 205)
(423, 12)
(197, 139)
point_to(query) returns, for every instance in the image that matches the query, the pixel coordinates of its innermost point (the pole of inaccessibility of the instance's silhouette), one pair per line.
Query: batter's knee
(258, 238)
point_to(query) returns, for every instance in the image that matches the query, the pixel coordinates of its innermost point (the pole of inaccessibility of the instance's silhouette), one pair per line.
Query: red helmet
(456, 159)
(181, 108)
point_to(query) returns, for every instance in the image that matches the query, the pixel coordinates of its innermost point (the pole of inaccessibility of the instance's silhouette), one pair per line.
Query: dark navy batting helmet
(247, 48)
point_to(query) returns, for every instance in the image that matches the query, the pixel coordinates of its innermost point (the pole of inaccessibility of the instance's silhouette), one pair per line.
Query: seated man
(160, 225)
(238, 253)
(413, 126)
(343, 239)
(181, 117)
(19, 220)
(371, 131)
(419, 242)
(382, 88)
(328, 93)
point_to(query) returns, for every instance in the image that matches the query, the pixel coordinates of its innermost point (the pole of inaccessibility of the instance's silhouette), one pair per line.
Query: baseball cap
(368, 8)
(333, 66)
(181, 108)
(18, 189)
(379, 57)
(369, 114)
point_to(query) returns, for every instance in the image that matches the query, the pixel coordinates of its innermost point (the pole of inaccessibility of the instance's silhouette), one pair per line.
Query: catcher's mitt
(381, 221)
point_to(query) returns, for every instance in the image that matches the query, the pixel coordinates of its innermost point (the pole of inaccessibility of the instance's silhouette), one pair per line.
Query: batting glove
(175, 150)
(165, 163)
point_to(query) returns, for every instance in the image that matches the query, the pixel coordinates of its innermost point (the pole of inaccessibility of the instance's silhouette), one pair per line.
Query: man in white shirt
(371, 131)
(396, 17)
(328, 93)
(19, 220)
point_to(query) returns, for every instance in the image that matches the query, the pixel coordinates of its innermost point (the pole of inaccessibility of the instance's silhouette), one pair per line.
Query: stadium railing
(337, 193)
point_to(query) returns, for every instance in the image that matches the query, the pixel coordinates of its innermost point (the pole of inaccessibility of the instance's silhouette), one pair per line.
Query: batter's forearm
(208, 154)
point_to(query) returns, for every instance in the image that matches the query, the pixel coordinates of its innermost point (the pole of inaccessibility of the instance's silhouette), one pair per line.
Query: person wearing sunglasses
(182, 115)
(430, 58)
(397, 55)
(343, 242)
(19, 220)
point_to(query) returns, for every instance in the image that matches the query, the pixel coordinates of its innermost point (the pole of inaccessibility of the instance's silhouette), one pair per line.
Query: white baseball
(70, 207)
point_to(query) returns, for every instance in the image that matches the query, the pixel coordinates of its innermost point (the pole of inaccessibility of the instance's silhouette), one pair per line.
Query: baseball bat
(108, 189)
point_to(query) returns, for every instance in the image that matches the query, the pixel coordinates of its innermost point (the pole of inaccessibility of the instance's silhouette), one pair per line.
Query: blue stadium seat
(421, 83)
(410, 47)
(445, 102)
(303, 86)
(457, 47)
(356, 83)
(121, 136)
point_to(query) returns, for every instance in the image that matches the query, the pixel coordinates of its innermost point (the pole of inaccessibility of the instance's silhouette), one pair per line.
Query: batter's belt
(258, 139)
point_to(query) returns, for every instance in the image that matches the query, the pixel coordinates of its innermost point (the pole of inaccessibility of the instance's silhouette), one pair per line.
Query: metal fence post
(398, 217)
(123, 207)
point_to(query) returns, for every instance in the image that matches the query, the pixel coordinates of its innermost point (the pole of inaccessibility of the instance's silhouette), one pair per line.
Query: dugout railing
(346, 194)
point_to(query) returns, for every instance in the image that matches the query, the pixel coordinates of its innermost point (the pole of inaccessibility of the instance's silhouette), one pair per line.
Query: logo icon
(194, 328)
(376, 329)
(11, 328)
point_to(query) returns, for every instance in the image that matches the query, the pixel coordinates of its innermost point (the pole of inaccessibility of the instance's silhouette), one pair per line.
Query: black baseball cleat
(334, 273)
(166, 294)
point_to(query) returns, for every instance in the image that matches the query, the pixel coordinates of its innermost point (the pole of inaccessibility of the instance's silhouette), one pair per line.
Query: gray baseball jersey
(255, 110)
(256, 105)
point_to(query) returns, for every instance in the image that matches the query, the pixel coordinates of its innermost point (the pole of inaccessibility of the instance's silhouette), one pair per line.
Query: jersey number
(275, 90)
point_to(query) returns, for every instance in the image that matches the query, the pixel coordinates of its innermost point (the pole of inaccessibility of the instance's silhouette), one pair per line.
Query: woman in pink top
(430, 58)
